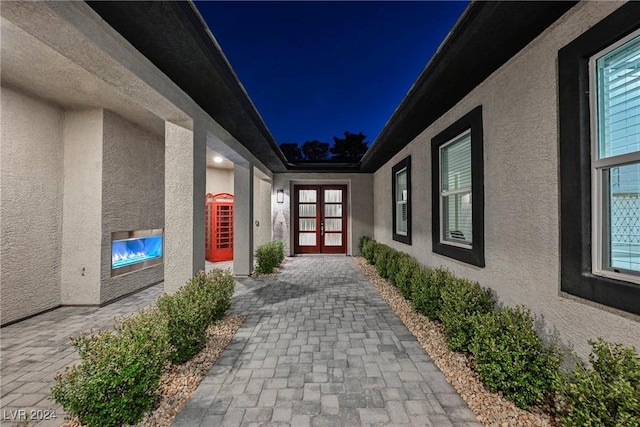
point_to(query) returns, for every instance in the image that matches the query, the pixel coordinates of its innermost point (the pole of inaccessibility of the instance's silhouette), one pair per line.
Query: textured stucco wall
(219, 180)
(31, 166)
(261, 212)
(521, 189)
(132, 196)
(82, 212)
(360, 206)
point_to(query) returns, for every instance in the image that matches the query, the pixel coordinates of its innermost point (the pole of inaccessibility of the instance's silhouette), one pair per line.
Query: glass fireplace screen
(134, 250)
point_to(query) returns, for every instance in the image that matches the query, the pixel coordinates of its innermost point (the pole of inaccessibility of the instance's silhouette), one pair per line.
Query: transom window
(615, 105)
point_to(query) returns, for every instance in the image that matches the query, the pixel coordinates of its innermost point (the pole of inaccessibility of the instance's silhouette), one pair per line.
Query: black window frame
(475, 255)
(576, 277)
(402, 164)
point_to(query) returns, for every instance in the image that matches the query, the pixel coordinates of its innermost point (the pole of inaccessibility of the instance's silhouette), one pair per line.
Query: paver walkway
(33, 350)
(320, 347)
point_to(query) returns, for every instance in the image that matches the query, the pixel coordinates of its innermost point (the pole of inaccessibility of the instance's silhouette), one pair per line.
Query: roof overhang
(485, 37)
(175, 38)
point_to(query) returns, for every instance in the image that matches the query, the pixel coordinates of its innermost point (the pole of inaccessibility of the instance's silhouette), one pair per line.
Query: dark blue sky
(317, 69)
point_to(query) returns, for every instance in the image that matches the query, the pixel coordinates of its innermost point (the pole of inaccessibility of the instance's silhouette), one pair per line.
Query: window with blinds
(401, 200)
(615, 73)
(455, 191)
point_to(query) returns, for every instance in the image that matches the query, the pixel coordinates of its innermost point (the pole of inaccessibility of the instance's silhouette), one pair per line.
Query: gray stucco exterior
(521, 197)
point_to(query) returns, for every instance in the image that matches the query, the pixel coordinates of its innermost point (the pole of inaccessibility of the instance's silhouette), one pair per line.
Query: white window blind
(616, 211)
(455, 191)
(401, 202)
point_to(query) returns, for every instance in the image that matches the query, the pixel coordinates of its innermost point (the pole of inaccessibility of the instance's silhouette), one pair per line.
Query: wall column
(243, 220)
(185, 179)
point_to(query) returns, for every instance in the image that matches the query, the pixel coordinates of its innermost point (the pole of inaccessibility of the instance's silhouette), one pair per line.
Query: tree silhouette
(291, 151)
(349, 149)
(315, 150)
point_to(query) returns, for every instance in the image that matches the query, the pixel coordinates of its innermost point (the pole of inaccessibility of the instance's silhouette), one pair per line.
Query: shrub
(407, 268)
(117, 378)
(219, 286)
(362, 242)
(369, 249)
(426, 291)
(461, 299)
(269, 256)
(189, 312)
(383, 253)
(607, 394)
(510, 356)
(393, 264)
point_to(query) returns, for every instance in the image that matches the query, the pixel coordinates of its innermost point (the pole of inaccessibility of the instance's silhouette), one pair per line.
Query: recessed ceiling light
(217, 159)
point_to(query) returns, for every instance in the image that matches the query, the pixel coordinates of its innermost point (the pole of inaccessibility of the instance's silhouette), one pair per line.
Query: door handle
(322, 228)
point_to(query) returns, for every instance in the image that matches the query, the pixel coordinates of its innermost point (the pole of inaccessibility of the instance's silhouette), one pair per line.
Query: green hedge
(116, 381)
(269, 256)
(608, 394)
(191, 310)
(407, 269)
(511, 358)
(461, 299)
(508, 353)
(117, 378)
(426, 290)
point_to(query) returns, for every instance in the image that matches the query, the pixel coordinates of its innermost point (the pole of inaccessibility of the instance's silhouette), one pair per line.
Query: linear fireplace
(135, 250)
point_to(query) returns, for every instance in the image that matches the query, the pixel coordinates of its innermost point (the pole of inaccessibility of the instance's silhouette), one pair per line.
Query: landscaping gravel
(180, 381)
(490, 408)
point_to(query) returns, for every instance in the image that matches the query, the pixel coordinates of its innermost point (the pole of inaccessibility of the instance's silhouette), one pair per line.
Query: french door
(320, 219)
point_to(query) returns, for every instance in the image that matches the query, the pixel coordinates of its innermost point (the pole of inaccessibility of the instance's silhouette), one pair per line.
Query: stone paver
(34, 349)
(320, 347)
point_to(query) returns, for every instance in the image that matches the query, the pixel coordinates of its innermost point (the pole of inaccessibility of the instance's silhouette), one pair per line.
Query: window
(401, 193)
(599, 116)
(458, 190)
(615, 130)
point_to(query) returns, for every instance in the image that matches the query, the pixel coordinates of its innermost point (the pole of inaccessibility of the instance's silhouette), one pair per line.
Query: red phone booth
(218, 221)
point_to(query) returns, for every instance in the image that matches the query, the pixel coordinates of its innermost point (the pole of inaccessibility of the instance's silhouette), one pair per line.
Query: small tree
(315, 150)
(291, 151)
(351, 148)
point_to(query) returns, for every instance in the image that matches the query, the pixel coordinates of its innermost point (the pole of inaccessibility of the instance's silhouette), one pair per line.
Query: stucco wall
(519, 107)
(81, 242)
(360, 205)
(30, 204)
(132, 196)
(261, 212)
(219, 180)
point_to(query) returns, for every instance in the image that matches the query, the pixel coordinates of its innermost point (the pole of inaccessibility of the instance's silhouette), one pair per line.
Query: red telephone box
(218, 221)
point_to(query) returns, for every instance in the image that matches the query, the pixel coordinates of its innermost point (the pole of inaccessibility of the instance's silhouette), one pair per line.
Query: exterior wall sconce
(280, 196)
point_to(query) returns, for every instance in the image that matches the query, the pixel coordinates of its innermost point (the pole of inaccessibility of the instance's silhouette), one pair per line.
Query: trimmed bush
(606, 395)
(510, 357)
(191, 310)
(363, 240)
(369, 250)
(426, 291)
(461, 299)
(393, 264)
(269, 256)
(116, 381)
(407, 268)
(383, 254)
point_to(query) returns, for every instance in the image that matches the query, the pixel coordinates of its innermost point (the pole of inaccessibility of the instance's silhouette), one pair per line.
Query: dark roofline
(175, 38)
(485, 37)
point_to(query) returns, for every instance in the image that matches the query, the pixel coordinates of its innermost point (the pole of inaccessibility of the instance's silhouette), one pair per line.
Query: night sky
(317, 69)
